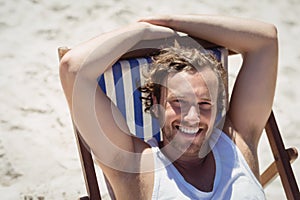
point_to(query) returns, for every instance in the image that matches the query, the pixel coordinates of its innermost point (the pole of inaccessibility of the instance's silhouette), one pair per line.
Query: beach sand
(38, 154)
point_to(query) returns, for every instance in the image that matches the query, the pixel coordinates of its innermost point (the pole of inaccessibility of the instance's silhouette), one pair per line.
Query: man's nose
(192, 115)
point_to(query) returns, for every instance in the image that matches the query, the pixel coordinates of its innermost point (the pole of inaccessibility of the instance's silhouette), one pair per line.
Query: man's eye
(205, 105)
(178, 102)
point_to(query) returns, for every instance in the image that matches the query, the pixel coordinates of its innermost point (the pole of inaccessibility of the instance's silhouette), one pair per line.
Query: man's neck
(187, 162)
(198, 171)
(182, 157)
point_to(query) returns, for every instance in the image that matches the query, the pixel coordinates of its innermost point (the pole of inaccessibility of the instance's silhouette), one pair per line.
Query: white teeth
(188, 130)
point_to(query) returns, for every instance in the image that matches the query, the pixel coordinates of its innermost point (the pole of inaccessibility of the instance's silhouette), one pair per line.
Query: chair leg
(272, 172)
(88, 169)
(84, 198)
(282, 159)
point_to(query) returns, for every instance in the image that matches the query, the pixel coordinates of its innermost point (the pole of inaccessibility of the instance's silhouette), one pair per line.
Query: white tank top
(233, 178)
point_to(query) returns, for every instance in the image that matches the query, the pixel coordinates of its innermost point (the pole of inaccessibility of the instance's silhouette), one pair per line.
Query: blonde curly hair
(174, 60)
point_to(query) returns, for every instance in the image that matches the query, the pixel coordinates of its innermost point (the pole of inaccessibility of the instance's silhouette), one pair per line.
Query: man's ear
(154, 107)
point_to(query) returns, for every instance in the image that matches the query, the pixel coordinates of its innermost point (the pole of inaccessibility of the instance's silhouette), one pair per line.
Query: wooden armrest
(272, 172)
(62, 51)
(84, 198)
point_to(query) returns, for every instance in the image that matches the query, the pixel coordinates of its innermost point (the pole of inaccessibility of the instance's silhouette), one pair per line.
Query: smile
(188, 130)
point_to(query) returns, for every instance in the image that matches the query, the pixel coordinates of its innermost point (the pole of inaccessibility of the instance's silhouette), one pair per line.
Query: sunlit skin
(189, 112)
(108, 135)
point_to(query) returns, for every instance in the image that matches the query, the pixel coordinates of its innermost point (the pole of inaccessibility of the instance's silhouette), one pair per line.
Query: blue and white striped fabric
(121, 82)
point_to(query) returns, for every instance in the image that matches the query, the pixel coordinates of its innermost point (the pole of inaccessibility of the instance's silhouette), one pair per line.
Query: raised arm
(99, 122)
(253, 93)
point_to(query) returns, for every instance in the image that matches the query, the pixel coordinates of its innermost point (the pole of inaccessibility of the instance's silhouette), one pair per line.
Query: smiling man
(189, 97)
(195, 160)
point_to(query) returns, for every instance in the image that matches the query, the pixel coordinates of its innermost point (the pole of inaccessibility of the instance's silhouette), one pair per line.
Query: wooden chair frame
(282, 157)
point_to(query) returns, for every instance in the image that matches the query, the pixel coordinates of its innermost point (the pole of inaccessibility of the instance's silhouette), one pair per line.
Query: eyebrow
(205, 97)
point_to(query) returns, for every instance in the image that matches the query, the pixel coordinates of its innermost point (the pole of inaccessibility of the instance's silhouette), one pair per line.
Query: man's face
(189, 101)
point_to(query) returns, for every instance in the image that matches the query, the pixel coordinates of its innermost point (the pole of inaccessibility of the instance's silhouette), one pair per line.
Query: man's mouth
(189, 130)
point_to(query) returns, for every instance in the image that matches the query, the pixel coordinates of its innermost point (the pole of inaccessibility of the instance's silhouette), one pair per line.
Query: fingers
(153, 31)
(163, 20)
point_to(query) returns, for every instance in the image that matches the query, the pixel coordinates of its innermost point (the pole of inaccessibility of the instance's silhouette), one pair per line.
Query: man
(186, 109)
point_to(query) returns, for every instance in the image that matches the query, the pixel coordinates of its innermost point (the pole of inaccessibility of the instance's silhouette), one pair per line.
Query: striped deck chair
(121, 84)
(125, 77)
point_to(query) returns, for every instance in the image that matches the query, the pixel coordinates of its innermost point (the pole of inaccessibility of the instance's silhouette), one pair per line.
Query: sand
(38, 155)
